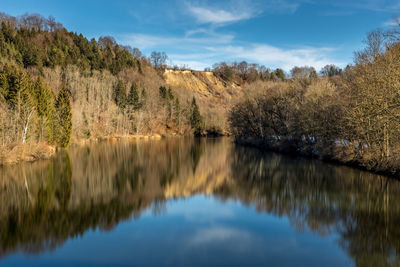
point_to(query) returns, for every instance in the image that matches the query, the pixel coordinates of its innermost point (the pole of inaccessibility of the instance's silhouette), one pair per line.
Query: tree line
(30, 110)
(35, 41)
(351, 116)
(56, 85)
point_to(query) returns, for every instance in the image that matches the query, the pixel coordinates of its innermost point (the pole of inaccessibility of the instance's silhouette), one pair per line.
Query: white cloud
(272, 56)
(202, 51)
(390, 23)
(147, 41)
(218, 16)
(238, 10)
(201, 47)
(219, 234)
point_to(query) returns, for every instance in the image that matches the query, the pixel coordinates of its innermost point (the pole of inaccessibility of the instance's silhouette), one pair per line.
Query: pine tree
(133, 97)
(196, 119)
(64, 118)
(170, 95)
(44, 108)
(17, 91)
(163, 92)
(120, 95)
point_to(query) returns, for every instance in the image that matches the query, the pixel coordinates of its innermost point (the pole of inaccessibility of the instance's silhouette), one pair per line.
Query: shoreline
(19, 153)
(262, 146)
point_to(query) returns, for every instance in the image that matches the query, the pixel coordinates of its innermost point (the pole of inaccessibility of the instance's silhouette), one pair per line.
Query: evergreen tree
(16, 89)
(133, 97)
(196, 119)
(120, 95)
(170, 95)
(163, 92)
(64, 118)
(280, 74)
(44, 108)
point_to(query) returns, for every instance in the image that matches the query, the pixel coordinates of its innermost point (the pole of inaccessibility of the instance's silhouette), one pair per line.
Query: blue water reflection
(194, 203)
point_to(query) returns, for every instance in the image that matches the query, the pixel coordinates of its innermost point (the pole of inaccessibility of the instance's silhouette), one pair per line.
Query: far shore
(16, 153)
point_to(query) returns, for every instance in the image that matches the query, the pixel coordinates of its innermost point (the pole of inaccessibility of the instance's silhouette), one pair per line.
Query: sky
(199, 33)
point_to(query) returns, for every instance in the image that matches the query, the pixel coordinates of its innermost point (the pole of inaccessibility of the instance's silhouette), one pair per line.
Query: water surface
(194, 202)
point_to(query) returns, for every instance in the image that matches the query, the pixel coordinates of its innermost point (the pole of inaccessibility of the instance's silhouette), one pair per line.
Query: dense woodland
(58, 87)
(351, 116)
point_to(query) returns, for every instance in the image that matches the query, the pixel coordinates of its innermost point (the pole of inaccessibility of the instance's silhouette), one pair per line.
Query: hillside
(214, 94)
(57, 87)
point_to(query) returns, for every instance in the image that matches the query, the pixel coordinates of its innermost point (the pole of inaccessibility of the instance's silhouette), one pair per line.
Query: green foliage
(120, 95)
(63, 118)
(57, 47)
(196, 120)
(43, 97)
(133, 97)
(17, 91)
(170, 95)
(163, 92)
(280, 74)
(44, 109)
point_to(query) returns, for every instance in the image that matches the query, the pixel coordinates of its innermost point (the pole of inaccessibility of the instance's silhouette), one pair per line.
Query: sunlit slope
(205, 83)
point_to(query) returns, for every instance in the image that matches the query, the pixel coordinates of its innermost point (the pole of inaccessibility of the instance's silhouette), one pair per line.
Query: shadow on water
(45, 203)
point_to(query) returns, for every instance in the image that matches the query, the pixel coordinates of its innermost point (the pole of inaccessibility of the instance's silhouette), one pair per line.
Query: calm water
(186, 202)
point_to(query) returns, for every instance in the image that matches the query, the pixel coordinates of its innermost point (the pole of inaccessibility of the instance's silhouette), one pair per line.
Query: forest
(57, 87)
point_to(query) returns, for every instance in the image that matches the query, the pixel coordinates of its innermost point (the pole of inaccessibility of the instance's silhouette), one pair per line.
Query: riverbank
(118, 138)
(339, 154)
(17, 152)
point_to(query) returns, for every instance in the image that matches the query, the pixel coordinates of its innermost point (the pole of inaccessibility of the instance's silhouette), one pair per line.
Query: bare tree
(330, 70)
(105, 41)
(158, 59)
(375, 46)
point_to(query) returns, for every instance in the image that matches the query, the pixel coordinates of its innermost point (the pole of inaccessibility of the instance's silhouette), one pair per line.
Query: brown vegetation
(351, 117)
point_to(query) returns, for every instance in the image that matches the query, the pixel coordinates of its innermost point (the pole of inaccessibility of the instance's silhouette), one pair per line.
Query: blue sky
(198, 33)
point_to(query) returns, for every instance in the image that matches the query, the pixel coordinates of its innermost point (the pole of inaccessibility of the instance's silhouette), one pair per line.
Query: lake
(194, 202)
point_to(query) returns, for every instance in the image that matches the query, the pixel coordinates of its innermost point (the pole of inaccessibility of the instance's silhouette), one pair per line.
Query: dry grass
(17, 152)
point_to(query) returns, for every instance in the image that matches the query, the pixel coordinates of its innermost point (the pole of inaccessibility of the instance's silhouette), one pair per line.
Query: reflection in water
(45, 203)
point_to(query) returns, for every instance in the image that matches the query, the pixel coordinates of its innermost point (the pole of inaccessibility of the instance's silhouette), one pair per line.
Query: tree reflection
(45, 203)
(363, 208)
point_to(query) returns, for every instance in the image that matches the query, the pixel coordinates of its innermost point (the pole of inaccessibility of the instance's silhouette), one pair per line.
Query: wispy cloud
(207, 42)
(218, 16)
(147, 41)
(238, 10)
(390, 23)
(203, 51)
(219, 234)
(284, 58)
